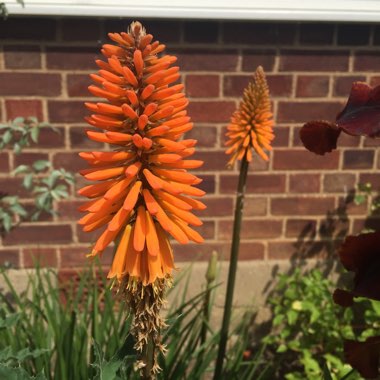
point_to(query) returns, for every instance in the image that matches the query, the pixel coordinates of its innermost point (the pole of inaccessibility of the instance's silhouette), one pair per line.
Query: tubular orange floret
(144, 193)
(251, 124)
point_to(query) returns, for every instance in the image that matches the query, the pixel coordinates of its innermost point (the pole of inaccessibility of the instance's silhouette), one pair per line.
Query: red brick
(211, 111)
(281, 250)
(202, 86)
(254, 58)
(212, 160)
(374, 80)
(50, 138)
(342, 85)
(338, 182)
(220, 206)
(74, 257)
(258, 33)
(22, 57)
(256, 183)
(347, 205)
(80, 29)
(372, 178)
(207, 184)
(207, 59)
(252, 229)
(348, 141)
(202, 32)
(24, 108)
(312, 86)
(301, 206)
(72, 58)
(28, 158)
(316, 33)
(296, 159)
(360, 225)
(301, 112)
(68, 210)
(279, 85)
(199, 252)
(69, 161)
(304, 183)
(353, 34)
(358, 159)
(366, 61)
(281, 138)
(206, 136)
(39, 234)
(9, 258)
(13, 186)
(61, 111)
(251, 251)
(255, 206)
(43, 257)
(314, 60)
(301, 227)
(79, 139)
(4, 162)
(30, 84)
(28, 28)
(77, 85)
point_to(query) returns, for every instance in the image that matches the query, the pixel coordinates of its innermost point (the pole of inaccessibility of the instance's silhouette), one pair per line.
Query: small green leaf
(28, 181)
(40, 165)
(21, 169)
(34, 134)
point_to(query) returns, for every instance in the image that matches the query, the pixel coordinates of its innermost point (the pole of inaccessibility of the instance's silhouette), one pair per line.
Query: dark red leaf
(319, 137)
(361, 255)
(364, 356)
(361, 115)
(343, 298)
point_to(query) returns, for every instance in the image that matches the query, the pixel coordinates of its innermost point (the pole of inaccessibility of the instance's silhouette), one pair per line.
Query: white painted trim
(276, 10)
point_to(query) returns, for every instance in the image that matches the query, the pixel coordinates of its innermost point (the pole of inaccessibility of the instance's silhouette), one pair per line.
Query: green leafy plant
(308, 327)
(10, 211)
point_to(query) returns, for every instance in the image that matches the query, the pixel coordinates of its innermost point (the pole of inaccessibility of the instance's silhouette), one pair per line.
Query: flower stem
(232, 270)
(148, 358)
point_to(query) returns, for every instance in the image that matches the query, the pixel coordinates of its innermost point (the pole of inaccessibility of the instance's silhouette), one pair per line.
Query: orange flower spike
(251, 126)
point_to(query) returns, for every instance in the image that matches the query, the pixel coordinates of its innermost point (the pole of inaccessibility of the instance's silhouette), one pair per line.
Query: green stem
(232, 270)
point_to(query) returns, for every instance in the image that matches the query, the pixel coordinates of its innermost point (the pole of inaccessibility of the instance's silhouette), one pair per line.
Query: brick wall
(296, 202)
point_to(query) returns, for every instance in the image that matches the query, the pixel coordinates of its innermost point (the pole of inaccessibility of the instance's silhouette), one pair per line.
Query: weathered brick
(281, 250)
(314, 60)
(256, 183)
(366, 61)
(251, 251)
(28, 158)
(200, 252)
(281, 138)
(312, 86)
(346, 140)
(207, 184)
(252, 229)
(24, 108)
(258, 33)
(81, 29)
(43, 257)
(301, 227)
(69, 161)
(301, 112)
(206, 136)
(255, 206)
(342, 84)
(358, 159)
(207, 59)
(254, 58)
(202, 32)
(28, 28)
(30, 84)
(9, 258)
(13, 186)
(4, 162)
(296, 159)
(304, 183)
(22, 57)
(301, 205)
(360, 224)
(72, 58)
(39, 234)
(212, 160)
(338, 182)
(316, 33)
(372, 178)
(211, 111)
(220, 206)
(202, 86)
(61, 111)
(74, 257)
(79, 139)
(353, 34)
(279, 85)
(77, 85)
(51, 138)
(68, 210)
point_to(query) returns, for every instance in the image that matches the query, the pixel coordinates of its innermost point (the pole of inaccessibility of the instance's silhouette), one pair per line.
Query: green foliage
(309, 329)
(44, 182)
(58, 333)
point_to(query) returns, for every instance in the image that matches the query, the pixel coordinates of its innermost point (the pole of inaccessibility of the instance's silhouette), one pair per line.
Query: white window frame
(276, 10)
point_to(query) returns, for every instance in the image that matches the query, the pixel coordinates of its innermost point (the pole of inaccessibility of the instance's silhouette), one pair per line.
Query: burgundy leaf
(361, 115)
(343, 298)
(364, 356)
(361, 255)
(319, 137)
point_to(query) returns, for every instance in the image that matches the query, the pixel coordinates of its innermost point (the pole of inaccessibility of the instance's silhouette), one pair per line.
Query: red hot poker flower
(143, 192)
(251, 124)
(360, 117)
